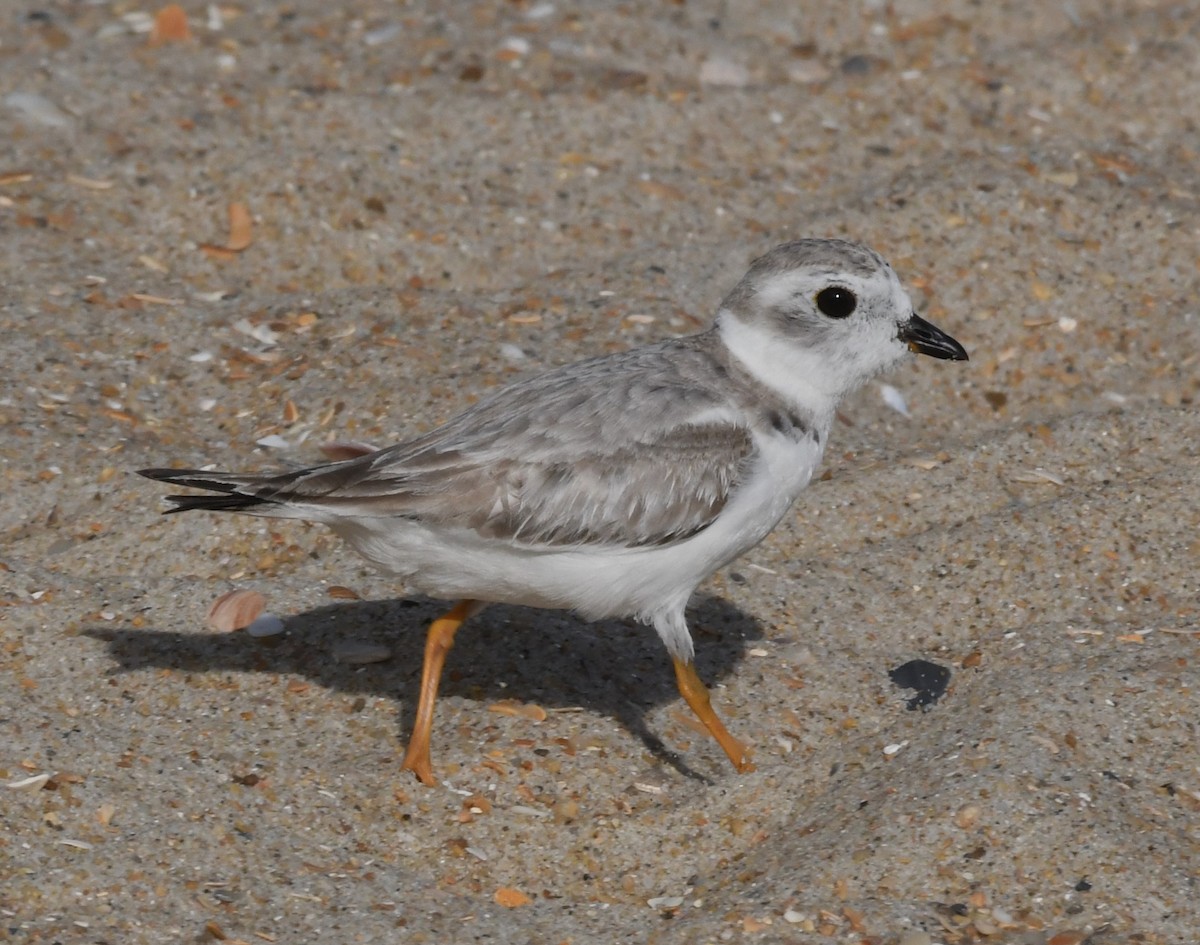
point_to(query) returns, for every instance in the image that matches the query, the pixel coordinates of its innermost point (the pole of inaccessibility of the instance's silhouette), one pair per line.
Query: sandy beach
(232, 238)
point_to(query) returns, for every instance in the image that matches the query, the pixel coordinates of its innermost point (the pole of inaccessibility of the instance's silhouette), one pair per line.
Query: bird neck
(804, 379)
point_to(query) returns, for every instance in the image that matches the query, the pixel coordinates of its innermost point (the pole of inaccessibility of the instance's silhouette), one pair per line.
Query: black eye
(836, 302)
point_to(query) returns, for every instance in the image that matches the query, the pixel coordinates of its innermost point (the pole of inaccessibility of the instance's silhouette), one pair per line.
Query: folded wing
(564, 459)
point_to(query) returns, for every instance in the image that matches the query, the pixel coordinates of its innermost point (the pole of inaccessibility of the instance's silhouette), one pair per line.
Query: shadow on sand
(614, 668)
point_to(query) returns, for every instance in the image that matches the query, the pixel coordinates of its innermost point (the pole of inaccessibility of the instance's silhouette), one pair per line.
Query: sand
(443, 197)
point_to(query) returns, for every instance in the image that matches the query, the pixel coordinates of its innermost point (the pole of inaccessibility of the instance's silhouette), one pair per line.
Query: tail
(320, 493)
(239, 493)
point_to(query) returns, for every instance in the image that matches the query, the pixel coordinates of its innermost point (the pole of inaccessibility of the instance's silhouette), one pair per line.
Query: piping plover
(614, 486)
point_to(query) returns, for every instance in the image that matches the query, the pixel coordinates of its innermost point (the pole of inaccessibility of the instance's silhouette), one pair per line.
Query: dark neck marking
(753, 396)
(790, 424)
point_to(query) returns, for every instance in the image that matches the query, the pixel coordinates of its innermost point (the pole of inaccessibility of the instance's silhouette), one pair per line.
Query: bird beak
(924, 338)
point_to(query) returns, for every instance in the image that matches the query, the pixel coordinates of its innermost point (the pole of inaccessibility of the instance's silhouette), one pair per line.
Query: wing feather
(662, 491)
(631, 449)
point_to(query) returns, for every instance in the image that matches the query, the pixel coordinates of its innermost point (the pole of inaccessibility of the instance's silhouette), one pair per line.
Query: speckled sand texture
(431, 199)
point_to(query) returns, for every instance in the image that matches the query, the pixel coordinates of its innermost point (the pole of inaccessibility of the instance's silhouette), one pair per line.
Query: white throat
(803, 378)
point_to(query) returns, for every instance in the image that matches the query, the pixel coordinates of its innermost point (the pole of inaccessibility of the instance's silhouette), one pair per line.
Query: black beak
(924, 338)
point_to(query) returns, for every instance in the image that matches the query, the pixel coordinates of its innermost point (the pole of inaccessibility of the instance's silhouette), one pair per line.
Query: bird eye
(836, 302)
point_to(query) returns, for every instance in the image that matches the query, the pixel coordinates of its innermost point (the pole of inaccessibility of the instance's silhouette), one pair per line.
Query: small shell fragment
(266, 624)
(511, 897)
(1039, 476)
(894, 399)
(38, 109)
(263, 334)
(523, 710)
(170, 26)
(723, 72)
(90, 183)
(235, 610)
(31, 784)
(241, 228)
(382, 34)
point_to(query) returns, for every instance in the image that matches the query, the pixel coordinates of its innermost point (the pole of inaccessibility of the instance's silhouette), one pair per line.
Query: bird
(614, 486)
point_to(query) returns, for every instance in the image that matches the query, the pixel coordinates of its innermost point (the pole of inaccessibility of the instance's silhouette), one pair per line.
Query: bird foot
(419, 763)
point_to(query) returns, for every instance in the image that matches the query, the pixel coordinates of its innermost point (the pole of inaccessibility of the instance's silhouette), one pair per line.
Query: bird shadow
(616, 668)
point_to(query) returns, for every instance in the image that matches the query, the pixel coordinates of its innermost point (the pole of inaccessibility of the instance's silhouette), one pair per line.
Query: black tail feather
(214, 503)
(198, 479)
(229, 484)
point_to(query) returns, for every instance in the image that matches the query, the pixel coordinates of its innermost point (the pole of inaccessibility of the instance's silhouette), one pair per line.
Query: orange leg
(694, 693)
(438, 642)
